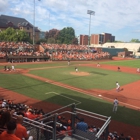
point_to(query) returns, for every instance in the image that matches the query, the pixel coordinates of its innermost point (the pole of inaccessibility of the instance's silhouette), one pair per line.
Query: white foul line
(78, 102)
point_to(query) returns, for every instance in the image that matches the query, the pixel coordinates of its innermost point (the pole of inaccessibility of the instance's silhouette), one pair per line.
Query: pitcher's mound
(80, 73)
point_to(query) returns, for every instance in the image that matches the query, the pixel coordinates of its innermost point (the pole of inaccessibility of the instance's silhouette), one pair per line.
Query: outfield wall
(113, 51)
(134, 47)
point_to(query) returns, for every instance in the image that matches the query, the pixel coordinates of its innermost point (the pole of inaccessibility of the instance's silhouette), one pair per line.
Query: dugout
(13, 59)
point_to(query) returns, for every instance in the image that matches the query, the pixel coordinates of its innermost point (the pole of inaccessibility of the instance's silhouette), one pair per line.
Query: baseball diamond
(30, 83)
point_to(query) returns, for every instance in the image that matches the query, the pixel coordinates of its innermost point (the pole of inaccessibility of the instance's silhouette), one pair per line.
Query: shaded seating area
(68, 122)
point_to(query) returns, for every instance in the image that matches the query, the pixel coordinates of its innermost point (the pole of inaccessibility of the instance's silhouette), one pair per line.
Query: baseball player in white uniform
(115, 105)
(76, 69)
(138, 70)
(13, 68)
(117, 87)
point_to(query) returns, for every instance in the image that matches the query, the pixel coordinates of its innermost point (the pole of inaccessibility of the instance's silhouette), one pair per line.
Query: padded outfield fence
(46, 127)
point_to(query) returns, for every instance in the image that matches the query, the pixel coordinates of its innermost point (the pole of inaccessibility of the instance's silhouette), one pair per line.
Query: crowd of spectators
(21, 109)
(8, 109)
(54, 51)
(17, 49)
(74, 52)
(80, 124)
(115, 136)
(11, 119)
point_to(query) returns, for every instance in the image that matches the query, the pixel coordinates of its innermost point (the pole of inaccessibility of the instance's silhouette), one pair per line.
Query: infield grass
(97, 78)
(102, 79)
(128, 63)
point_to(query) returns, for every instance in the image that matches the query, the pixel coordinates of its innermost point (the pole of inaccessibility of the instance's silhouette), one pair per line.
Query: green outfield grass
(129, 63)
(97, 78)
(102, 79)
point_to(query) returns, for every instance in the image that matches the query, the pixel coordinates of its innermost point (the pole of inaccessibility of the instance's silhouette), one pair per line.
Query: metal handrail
(91, 116)
(91, 113)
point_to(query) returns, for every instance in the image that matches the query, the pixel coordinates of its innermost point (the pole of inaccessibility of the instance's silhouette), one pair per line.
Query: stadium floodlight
(90, 12)
(34, 24)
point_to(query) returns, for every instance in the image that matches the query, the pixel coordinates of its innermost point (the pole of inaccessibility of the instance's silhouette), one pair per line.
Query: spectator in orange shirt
(31, 115)
(10, 133)
(4, 119)
(21, 131)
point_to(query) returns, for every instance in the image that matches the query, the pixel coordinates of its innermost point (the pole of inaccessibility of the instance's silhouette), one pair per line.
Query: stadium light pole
(90, 12)
(34, 24)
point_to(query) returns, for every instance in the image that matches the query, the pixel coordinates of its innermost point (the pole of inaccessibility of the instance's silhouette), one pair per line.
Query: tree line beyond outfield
(53, 36)
(64, 36)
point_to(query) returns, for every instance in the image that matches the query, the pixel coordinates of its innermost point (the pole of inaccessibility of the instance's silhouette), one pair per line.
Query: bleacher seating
(60, 124)
(16, 52)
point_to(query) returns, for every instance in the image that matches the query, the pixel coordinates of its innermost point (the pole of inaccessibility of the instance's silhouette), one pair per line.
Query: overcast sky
(121, 18)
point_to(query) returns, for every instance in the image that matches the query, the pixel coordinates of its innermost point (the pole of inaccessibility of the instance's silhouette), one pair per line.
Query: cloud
(110, 15)
(3, 5)
(136, 31)
(107, 12)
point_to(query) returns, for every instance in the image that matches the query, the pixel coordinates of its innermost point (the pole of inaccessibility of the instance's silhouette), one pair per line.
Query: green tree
(117, 41)
(66, 35)
(15, 35)
(135, 41)
(52, 34)
(75, 41)
(51, 40)
(41, 40)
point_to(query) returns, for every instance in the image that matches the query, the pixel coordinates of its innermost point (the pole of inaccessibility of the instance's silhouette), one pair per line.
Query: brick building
(96, 39)
(101, 38)
(18, 23)
(83, 40)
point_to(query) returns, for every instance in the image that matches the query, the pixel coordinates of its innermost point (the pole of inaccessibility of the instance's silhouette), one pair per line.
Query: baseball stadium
(56, 98)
